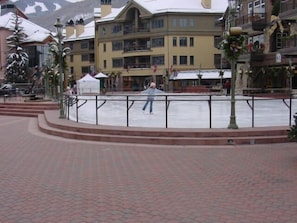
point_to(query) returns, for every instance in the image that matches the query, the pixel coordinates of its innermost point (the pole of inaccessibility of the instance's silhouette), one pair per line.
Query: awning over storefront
(205, 74)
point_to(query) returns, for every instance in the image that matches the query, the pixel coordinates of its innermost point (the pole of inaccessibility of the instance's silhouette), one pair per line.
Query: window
(104, 47)
(250, 11)
(183, 60)
(92, 57)
(71, 45)
(191, 60)
(191, 23)
(117, 45)
(104, 63)
(217, 61)
(84, 45)
(280, 40)
(174, 60)
(256, 8)
(103, 30)
(85, 70)
(174, 22)
(158, 42)
(259, 6)
(183, 41)
(116, 29)
(91, 45)
(174, 41)
(191, 41)
(217, 40)
(116, 63)
(159, 60)
(183, 22)
(157, 23)
(85, 57)
(71, 58)
(71, 70)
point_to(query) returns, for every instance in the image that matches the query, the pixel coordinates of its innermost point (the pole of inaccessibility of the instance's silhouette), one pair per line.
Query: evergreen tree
(17, 59)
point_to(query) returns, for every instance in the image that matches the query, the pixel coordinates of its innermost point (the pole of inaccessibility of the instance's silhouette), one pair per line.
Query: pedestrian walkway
(50, 179)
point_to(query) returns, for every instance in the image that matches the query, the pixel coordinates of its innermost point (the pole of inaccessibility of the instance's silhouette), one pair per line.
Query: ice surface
(184, 111)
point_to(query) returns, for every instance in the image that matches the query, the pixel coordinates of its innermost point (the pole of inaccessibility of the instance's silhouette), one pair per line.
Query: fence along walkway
(181, 111)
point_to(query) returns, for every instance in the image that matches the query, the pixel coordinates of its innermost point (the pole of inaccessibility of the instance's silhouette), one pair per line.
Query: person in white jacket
(150, 97)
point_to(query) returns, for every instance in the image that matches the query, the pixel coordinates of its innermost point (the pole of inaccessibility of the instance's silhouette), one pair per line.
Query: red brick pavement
(48, 179)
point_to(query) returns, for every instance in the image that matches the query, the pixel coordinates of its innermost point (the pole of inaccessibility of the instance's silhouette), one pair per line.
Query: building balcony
(223, 65)
(252, 57)
(288, 9)
(137, 48)
(132, 30)
(252, 24)
(259, 21)
(257, 56)
(137, 66)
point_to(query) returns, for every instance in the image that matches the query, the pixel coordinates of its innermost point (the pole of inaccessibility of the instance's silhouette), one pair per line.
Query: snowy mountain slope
(45, 12)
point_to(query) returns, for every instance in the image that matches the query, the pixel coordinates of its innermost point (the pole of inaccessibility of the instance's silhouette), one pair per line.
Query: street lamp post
(199, 75)
(234, 49)
(59, 28)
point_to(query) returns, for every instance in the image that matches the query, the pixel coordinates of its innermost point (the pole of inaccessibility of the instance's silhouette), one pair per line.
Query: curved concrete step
(50, 124)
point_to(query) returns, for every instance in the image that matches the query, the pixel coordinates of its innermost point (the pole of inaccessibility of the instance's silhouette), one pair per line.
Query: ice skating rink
(184, 111)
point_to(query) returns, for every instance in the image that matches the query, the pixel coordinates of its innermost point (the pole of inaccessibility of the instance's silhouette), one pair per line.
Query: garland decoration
(232, 46)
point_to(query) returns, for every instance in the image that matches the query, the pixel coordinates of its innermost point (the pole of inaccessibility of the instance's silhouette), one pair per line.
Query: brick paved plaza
(49, 179)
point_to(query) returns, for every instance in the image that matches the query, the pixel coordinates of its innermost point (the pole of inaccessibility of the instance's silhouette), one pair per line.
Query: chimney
(105, 7)
(206, 4)
(79, 27)
(69, 28)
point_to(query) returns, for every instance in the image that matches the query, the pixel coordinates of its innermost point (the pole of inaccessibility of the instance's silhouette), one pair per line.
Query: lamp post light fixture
(291, 70)
(61, 54)
(59, 28)
(233, 48)
(199, 76)
(221, 74)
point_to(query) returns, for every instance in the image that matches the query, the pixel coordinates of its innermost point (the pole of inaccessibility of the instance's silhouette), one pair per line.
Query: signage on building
(278, 58)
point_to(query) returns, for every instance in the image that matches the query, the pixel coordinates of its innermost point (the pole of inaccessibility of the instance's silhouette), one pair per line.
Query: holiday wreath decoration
(233, 46)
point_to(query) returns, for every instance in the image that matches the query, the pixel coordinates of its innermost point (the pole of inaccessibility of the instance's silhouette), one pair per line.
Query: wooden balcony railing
(288, 5)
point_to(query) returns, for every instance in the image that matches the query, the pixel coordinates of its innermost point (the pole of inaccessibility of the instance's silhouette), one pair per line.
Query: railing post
(290, 112)
(77, 109)
(96, 109)
(127, 107)
(166, 111)
(68, 106)
(253, 111)
(210, 111)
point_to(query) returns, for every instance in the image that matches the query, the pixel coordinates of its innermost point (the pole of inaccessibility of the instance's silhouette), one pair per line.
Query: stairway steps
(19, 114)
(26, 109)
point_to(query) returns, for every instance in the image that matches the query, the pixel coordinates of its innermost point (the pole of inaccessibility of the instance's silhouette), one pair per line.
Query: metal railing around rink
(101, 100)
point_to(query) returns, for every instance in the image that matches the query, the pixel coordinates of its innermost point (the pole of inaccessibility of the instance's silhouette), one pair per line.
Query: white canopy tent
(87, 85)
(101, 75)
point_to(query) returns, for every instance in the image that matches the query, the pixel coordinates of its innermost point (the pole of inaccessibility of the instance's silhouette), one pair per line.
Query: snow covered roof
(164, 6)
(112, 15)
(193, 74)
(161, 6)
(88, 33)
(34, 32)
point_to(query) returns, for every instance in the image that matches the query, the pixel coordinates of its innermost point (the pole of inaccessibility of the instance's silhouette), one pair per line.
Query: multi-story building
(35, 42)
(151, 40)
(270, 56)
(80, 39)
